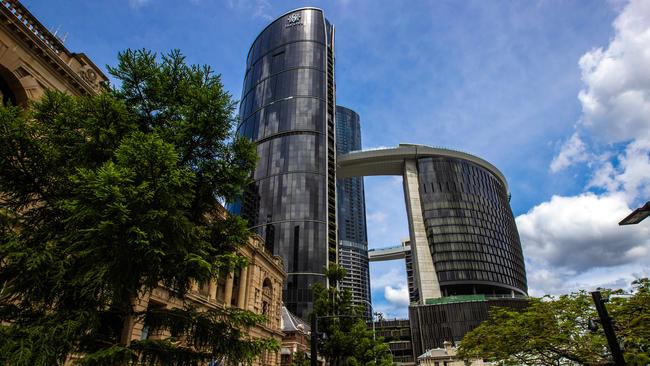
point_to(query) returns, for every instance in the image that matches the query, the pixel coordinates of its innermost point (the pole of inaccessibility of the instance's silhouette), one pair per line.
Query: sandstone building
(257, 288)
(33, 60)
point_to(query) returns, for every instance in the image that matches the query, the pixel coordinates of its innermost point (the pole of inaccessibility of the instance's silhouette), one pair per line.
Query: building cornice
(25, 28)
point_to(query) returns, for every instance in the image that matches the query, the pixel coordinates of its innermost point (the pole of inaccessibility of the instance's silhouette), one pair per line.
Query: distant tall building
(288, 109)
(351, 206)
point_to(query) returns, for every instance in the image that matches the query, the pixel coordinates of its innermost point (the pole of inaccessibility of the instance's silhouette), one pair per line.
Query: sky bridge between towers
(388, 253)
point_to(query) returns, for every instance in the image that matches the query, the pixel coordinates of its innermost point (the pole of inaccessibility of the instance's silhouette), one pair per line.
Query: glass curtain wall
(470, 228)
(284, 110)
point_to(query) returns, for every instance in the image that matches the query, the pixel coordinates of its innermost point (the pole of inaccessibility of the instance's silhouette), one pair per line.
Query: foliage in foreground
(300, 359)
(347, 339)
(106, 197)
(554, 331)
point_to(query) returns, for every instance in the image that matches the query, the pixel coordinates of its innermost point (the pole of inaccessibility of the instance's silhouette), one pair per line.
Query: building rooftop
(292, 323)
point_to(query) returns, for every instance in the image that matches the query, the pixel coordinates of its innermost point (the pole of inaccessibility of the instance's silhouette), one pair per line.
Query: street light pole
(372, 318)
(314, 340)
(606, 322)
(637, 215)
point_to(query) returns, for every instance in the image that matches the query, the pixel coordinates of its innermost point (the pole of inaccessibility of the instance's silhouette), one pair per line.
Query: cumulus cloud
(574, 242)
(557, 282)
(388, 288)
(628, 174)
(394, 275)
(616, 97)
(397, 296)
(572, 151)
(581, 232)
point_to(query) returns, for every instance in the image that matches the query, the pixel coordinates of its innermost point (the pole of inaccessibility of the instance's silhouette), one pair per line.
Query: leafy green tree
(632, 323)
(104, 198)
(347, 339)
(300, 359)
(555, 331)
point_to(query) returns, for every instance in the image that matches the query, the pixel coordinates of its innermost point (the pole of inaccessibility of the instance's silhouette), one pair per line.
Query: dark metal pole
(606, 321)
(314, 340)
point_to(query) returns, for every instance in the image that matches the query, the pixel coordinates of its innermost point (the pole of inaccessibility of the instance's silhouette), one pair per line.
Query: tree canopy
(554, 331)
(106, 197)
(346, 338)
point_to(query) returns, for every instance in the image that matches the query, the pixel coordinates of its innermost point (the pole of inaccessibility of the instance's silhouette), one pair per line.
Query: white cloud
(616, 97)
(388, 279)
(572, 151)
(397, 296)
(556, 282)
(395, 276)
(581, 232)
(630, 176)
(575, 242)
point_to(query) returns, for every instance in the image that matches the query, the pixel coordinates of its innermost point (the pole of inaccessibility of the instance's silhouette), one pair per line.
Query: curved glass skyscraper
(287, 109)
(351, 206)
(471, 231)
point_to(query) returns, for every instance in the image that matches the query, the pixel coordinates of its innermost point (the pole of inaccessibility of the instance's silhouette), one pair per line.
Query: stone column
(243, 287)
(424, 271)
(227, 298)
(213, 289)
(194, 287)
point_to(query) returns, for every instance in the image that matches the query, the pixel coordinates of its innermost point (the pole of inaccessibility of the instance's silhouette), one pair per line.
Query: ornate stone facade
(257, 288)
(32, 60)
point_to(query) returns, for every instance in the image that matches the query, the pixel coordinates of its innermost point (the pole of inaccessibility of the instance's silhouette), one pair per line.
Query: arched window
(11, 89)
(267, 296)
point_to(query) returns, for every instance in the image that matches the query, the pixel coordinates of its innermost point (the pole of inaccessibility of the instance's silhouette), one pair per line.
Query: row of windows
(452, 241)
(307, 54)
(473, 211)
(476, 266)
(304, 114)
(293, 196)
(292, 83)
(291, 153)
(499, 257)
(474, 275)
(478, 202)
(454, 169)
(435, 185)
(468, 218)
(301, 243)
(347, 245)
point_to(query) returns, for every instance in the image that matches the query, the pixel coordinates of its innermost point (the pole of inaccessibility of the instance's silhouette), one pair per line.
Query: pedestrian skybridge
(389, 253)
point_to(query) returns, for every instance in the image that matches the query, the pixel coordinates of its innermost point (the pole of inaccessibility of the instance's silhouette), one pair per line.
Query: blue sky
(556, 94)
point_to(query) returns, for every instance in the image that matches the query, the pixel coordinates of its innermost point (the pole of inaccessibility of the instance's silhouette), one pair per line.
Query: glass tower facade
(351, 206)
(287, 109)
(470, 228)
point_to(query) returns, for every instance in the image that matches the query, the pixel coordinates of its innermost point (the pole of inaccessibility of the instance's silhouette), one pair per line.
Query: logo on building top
(294, 20)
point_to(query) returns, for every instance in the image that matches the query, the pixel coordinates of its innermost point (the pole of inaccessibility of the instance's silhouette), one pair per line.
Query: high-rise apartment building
(288, 109)
(351, 206)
